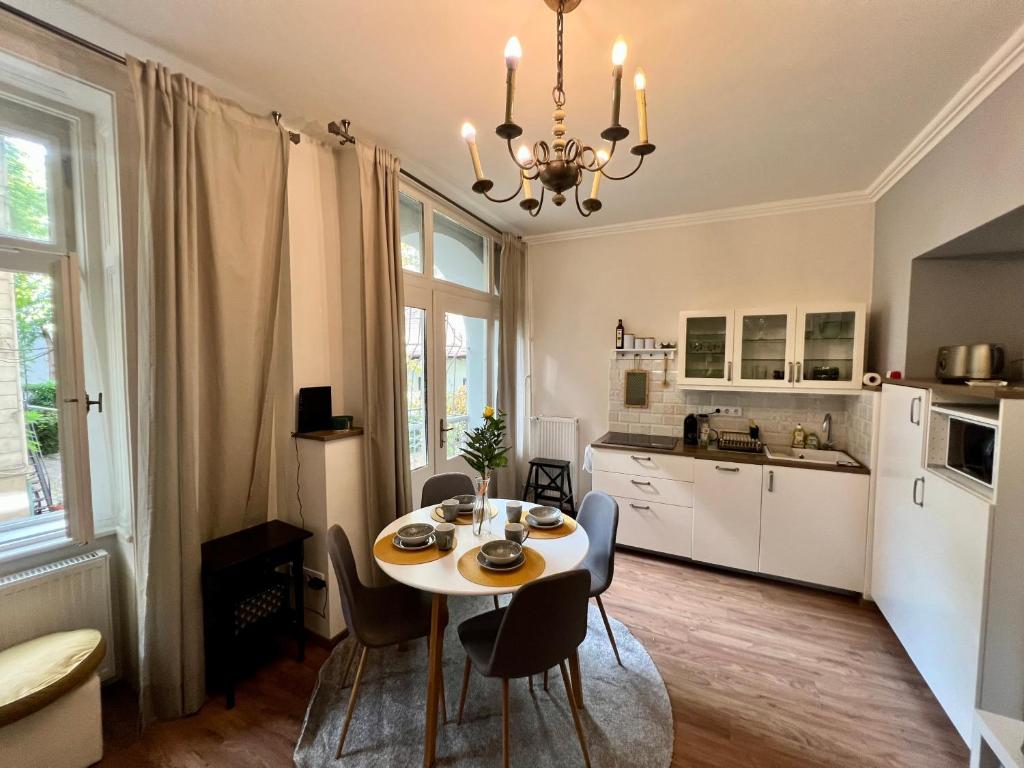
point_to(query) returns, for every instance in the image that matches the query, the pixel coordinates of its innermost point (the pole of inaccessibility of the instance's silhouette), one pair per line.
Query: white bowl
(414, 534)
(545, 515)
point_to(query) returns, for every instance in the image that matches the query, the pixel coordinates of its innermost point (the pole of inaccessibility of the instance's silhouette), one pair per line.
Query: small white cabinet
(818, 346)
(814, 526)
(727, 513)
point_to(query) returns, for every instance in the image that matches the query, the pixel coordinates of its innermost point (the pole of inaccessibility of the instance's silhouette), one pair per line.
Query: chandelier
(561, 166)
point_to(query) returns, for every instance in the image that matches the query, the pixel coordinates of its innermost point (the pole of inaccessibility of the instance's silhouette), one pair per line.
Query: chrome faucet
(826, 427)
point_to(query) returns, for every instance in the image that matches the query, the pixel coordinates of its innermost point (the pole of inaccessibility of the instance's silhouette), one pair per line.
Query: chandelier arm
(510, 197)
(584, 214)
(536, 211)
(621, 178)
(532, 164)
(595, 167)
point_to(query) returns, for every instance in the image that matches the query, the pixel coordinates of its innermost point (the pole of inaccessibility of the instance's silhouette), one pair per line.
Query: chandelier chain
(559, 93)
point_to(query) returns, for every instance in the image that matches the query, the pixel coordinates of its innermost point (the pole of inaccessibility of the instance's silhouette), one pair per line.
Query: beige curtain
(514, 360)
(212, 214)
(386, 438)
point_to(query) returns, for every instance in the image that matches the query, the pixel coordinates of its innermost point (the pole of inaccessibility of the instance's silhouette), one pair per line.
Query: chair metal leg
(608, 628)
(575, 714)
(497, 605)
(348, 664)
(577, 678)
(545, 679)
(465, 688)
(444, 702)
(351, 702)
(504, 721)
(530, 678)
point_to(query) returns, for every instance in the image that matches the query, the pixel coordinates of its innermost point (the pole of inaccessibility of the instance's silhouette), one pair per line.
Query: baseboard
(326, 642)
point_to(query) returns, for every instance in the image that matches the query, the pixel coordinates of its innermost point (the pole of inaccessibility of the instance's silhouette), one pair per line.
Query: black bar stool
(550, 482)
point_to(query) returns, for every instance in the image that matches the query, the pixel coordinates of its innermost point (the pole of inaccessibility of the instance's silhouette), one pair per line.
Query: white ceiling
(750, 101)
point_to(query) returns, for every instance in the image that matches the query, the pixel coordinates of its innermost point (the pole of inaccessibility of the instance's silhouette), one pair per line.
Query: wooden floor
(759, 674)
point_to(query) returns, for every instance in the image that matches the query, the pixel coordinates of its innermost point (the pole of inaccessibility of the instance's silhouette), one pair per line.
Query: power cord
(298, 480)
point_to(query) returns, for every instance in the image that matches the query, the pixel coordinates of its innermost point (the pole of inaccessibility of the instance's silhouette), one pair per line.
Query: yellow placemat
(528, 571)
(464, 518)
(386, 550)
(568, 526)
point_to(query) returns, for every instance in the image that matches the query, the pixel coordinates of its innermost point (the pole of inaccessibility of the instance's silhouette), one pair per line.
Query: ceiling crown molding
(707, 217)
(1007, 59)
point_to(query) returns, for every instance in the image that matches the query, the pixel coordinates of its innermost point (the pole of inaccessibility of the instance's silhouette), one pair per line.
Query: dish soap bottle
(620, 333)
(799, 436)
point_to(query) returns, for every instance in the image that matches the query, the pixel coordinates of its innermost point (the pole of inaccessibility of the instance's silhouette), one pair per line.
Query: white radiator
(557, 437)
(68, 594)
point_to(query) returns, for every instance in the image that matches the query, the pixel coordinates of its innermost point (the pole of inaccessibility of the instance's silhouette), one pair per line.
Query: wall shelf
(648, 353)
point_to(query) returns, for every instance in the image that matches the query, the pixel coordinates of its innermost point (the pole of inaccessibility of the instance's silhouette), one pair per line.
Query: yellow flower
(488, 412)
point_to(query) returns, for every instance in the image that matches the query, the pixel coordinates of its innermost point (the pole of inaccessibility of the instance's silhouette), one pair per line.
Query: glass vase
(481, 509)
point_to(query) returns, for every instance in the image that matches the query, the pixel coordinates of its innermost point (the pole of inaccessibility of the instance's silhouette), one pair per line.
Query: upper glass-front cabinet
(806, 347)
(705, 347)
(830, 347)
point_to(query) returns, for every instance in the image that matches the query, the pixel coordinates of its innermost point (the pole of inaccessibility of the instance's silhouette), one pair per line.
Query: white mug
(628, 341)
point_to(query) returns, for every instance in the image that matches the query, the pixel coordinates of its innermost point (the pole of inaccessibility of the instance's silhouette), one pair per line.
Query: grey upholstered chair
(599, 516)
(445, 486)
(503, 643)
(377, 617)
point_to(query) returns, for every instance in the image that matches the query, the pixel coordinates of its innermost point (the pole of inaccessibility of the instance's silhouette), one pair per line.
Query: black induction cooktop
(639, 441)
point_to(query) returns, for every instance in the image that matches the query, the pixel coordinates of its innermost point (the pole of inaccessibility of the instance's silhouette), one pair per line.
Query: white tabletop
(443, 577)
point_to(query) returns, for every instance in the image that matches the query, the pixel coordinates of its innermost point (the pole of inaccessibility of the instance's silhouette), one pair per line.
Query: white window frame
(90, 210)
(423, 290)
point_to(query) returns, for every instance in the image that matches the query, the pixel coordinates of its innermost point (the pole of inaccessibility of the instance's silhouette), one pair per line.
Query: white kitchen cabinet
(727, 513)
(930, 561)
(655, 526)
(642, 464)
(810, 347)
(764, 347)
(656, 489)
(705, 347)
(814, 526)
(829, 346)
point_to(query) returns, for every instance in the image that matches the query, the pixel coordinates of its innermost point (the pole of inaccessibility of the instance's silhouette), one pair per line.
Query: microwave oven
(971, 448)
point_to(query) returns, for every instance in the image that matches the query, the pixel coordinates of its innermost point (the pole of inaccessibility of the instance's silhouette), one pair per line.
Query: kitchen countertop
(1013, 391)
(736, 457)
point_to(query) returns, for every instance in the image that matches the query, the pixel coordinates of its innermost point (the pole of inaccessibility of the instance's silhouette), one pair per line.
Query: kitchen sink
(811, 456)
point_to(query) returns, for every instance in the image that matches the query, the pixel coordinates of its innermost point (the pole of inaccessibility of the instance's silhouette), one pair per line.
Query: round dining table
(442, 578)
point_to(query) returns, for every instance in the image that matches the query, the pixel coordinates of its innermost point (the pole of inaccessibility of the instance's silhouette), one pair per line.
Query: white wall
(972, 176)
(582, 287)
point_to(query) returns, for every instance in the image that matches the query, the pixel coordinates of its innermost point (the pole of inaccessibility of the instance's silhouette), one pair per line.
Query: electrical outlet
(720, 410)
(314, 579)
(315, 592)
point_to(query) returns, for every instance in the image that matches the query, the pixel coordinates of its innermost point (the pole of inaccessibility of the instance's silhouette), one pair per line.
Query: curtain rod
(54, 29)
(99, 49)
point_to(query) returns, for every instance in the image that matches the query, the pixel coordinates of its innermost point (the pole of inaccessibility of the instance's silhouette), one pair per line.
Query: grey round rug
(627, 715)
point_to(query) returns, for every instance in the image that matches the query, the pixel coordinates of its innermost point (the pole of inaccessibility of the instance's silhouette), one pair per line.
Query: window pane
(416, 384)
(31, 474)
(24, 197)
(465, 377)
(410, 224)
(460, 255)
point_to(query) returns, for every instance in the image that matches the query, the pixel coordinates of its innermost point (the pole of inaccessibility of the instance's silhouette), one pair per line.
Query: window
(450, 330)
(416, 384)
(410, 224)
(58, 204)
(25, 202)
(460, 254)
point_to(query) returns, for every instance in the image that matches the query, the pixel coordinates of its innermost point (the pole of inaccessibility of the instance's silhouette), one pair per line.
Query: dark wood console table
(245, 591)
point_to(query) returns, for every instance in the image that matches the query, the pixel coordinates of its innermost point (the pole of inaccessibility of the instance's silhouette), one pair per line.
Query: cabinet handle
(790, 377)
(728, 366)
(771, 481)
(918, 481)
(799, 371)
(727, 469)
(915, 419)
(641, 458)
(643, 507)
(640, 482)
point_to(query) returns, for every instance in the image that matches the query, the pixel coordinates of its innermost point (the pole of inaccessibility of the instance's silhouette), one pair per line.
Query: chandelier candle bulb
(618, 58)
(523, 155)
(640, 83)
(513, 52)
(469, 134)
(602, 158)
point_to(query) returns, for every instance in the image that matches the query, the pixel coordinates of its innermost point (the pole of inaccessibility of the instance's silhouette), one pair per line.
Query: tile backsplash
(775, 414)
